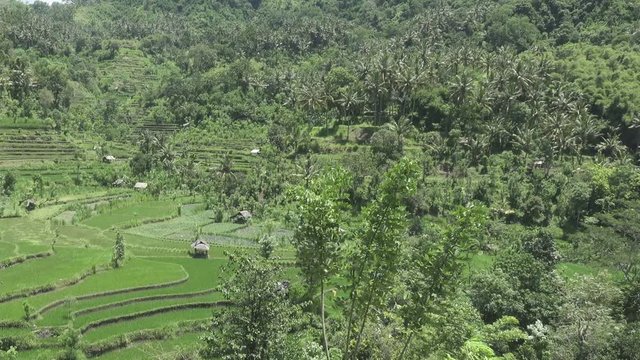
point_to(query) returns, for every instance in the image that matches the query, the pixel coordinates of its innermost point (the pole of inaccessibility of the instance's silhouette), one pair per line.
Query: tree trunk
(406, 345)
(364, 322)
(324, 327)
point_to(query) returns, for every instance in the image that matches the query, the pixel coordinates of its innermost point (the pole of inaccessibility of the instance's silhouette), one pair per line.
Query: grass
(153, 259)
(149, 322)
(39, 354)
(135, 273)
(154, 349)
(138, 212)
(203, 275)
(67, 262)
(8, 250)
(142, 306)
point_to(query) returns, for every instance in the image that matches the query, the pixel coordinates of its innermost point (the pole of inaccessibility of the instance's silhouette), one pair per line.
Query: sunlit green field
(83, 290)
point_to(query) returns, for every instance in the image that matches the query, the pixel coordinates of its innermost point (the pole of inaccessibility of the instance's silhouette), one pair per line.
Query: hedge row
(161, 310)
(135, 223)
(142, 299)
(20, 343)
(50, 287)
(13, 324)
(89, 200)
(124, 340)
(20, 259)
(113, 292)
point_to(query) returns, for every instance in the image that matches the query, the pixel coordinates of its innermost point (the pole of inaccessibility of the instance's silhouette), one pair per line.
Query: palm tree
(307, 169)
(460, 87)
(560, 133)
(226, 166)
(167, 156)
(350, 103)
(147, 142)
(478, 147)
(612, 146)
(520, 76)
(377, 91)
(401, 127)
(313, 99)
(497, 132)
(585, 128)
(524, 140)
(407, 80)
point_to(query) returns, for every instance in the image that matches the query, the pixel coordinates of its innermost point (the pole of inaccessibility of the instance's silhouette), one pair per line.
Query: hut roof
(140, 185)
(200, 245)
(241, 217)
(118, 182)
(109, 158)
(30, 204)
(255, 151)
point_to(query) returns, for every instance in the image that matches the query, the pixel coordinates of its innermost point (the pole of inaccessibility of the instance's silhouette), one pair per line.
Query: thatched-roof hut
(30, 204)
(241, 217)
(108, 159)
(140, 186)
(200, 248)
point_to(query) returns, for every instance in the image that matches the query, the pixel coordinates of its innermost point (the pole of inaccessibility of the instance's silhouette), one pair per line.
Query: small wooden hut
(30, 204)
(140, 186)
(200, 248)
(108, 159)
(242, 217)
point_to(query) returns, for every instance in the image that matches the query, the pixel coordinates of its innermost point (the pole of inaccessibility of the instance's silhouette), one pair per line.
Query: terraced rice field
(211, 154)
(20, 145)
(153, 349)
(159, 290)
(129, 72)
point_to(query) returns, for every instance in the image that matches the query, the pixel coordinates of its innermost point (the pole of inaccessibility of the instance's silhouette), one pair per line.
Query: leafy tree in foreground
(255, 326)
(435, 266)
(587, 327)
(319, 236)
(375, 258)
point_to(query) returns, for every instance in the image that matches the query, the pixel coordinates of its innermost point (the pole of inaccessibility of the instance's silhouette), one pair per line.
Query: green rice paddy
(157, 274)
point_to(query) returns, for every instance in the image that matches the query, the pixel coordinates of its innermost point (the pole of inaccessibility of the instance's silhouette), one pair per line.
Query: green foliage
(587, 327)
(435, 265)
(319, 236)
(374, 257)
(71, 340)
(118, 251)
(8, 183)
(530, 107)
(518, 285)
(255, 327)
(29, 311)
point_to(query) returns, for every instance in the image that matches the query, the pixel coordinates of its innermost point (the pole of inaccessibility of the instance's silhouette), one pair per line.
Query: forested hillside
(426, 179)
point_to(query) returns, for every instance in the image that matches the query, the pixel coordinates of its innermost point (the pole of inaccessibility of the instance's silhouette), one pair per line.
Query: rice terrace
(62, 272)
(320, 180)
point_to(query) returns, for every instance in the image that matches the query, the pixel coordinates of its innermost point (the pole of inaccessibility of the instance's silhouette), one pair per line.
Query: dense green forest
(454, 179)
